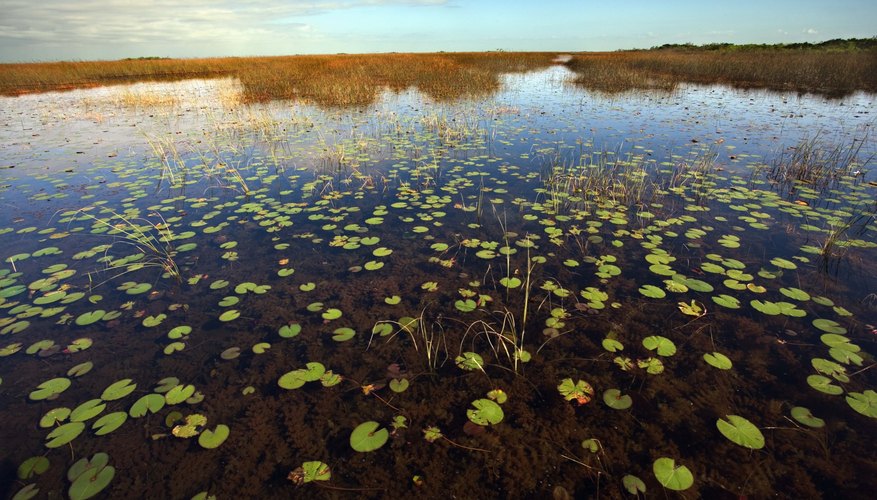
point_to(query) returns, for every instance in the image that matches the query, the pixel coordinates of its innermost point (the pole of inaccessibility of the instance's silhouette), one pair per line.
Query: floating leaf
(290, 330)
(804, 416)
(33, 466)
(179, 394)
(863, 402)
(615, 400)
(368, 437)
(662, 345)
(672, 476)
(633, 484)
(212, 439)
(824, 384)
(64, 434)
(109, 422)
(91, 482)
(229, 315)
(741, 431)
(118, 390)
(50, 388)
(579, 391)
(718, 360)
(149, 403)
(652, 291)
(485, 412)
(470, 361)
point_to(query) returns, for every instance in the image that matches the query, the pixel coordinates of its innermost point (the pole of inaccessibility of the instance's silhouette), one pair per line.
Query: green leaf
(633, 484)
(229, 315)
(149, 403)
(863, 402)
(109, 422)
(212, 439)
(829, 326)
(343, 334)
(718, 360)
(470, 361)
(179, 394)
(672, 476)
(652, 291)
(118, 390)
(91, 482)
(33, 466)
(50, 388)
(617, 401)
(64, 434)
(741, 431)
(87, 410)
(315, 471)
(485, 412)
(662, 345)
(368, 437)
(579, 391)
(290, 330)
(804, 416)
(824, 384)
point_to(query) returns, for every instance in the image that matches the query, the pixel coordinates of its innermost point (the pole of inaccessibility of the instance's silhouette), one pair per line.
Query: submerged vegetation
(473, 285)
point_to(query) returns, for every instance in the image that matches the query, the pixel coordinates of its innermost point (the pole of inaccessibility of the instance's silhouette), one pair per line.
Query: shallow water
(492, 227)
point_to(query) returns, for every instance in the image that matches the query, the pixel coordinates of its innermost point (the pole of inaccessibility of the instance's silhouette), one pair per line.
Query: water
(440, 221)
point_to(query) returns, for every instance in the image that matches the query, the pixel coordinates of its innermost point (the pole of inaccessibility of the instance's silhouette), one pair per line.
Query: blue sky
(45, 30)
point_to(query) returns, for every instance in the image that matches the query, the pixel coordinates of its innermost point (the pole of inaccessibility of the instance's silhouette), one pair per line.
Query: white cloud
(146, 25)
(811, 31)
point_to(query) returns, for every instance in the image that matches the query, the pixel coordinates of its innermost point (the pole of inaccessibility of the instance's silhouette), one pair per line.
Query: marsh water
(290, 272)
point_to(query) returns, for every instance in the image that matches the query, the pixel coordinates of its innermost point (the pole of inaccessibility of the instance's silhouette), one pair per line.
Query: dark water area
(448, 272)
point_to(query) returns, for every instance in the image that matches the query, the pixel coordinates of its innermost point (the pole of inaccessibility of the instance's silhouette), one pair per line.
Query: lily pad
(368, 437)
(485, 412)
(863, 402)
(741, 431)
(718, 360)
(212, 439)
(662, 345)
(91, 482)
(109, 422)
(63, 434)
(50, 388)
(149, 403)
(118, 390)
(617, 401)
(804, 416)
(580, 391)
(672, 476)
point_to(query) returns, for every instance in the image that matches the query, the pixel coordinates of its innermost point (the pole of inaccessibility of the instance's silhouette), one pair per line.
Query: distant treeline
(837, 44)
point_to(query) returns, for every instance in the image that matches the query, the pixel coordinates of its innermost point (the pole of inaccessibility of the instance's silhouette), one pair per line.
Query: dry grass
(332, 80)
(834, 73)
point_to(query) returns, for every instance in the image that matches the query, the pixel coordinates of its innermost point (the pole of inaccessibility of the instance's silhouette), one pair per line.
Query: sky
(52, 30)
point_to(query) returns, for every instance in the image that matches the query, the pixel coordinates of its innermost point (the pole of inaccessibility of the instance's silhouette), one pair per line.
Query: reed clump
(328, 80)
(834, 73)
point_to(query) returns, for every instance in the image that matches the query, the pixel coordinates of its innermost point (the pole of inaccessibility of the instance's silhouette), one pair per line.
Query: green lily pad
(315, 471)
(212, 439)
(229, 315)
(824, 384)
(118, 390)
(50, 388)
(149, 403)
(727, 301)
(465, 305)
(368, 437)
(54, 416)
(485, 412)
(290, 330)
(87, 410)
(718, 360)
(662, 345)
(331, 314)
(179, 394)
(672, 476)
(617, 401)
(343, 334)
(33, 466)
(580, 391)
(829, 326)
(863, 402)
(399, 384)
(109, 422)
(741, 431)
(63, 434)
(91, 482)
(633, 484)
(804, 416)
(652, 291)
(470, 361)
(88, 318)
(152, 321)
